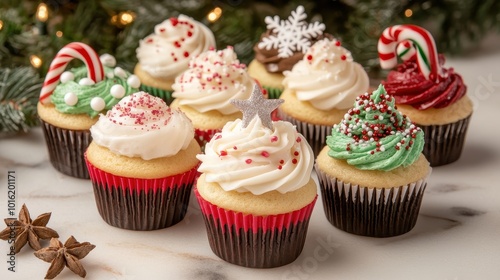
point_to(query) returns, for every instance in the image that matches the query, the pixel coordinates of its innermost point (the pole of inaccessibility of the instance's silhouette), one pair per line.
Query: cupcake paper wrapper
(255, 241)
(66, 149)
(204, 136)
(444, 143)
(273, 93)
(315, 134)
(166, 95)
(383, 212)
(141, 204)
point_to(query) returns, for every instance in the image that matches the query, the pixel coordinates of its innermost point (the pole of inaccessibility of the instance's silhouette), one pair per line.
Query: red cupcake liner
(203, 136)
(444, 143)
(141, 204)
(315, 134)
(374, 212)
(255, 241)
(66, 149)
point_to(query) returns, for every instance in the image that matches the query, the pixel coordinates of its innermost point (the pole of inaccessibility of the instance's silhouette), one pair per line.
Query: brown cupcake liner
(315, 134)
(255, 241)
(66, 149)
(141, 204)
(373, 212)
(444, 143)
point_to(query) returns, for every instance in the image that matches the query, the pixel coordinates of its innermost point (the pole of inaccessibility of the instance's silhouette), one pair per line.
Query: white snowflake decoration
(291, 35)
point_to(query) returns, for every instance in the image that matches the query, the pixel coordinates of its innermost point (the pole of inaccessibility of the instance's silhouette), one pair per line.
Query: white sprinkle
(108, 60)
(134, 81)
(371, 139)
(86, 82)
(398, 144)
(382, 148)
(375, 128)
(370, 133)
(120, 72)
(349, 134)
(117, 91)
(380, 117)
(368, 109)
(67, 76)
(70, 99)
(97, 104)
(392, 132)
(110, 75)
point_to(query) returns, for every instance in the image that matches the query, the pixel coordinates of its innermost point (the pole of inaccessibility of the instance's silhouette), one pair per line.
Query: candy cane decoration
(406, 51)
(425, 47)
(69, 52)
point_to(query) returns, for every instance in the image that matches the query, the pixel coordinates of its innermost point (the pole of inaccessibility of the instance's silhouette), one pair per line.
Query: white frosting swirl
(142, 125)
(212, 80)
(256, 159)
(166, 53)
(327, 77)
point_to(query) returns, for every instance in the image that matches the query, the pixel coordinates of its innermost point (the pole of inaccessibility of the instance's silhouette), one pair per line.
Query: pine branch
(19, 91)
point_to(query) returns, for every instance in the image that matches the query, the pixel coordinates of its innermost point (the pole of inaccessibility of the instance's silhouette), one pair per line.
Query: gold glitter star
(259, 106)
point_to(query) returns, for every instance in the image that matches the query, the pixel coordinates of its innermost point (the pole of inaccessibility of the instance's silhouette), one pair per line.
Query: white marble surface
(457, 235)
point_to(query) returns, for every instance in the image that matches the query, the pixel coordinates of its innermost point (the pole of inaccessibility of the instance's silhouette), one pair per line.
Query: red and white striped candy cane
(406, 51)
(426, 52)
(69, 52)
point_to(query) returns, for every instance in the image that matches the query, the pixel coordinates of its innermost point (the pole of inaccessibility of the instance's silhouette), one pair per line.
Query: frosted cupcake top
(212, 80)
(142, 125)
(257, 155)
(167, 52)
(374, 135)
(89, 89)
(421, 80)
(327, 77)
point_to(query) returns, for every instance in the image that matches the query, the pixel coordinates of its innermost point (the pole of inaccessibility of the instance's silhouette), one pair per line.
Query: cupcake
(70, 102)
(274, 53)
(203, 92)
(142, 163)
(255, 191)
(372, 173)
(166, 53)
(320, 89)
(433, 96)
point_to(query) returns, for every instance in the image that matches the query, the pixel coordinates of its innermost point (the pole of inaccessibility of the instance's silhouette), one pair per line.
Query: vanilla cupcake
(372, 173)
(320, 89)
(166, 53)
(203, 92)
(71, 100)
(142, 163)
(256, 192)
(432, 95)
(274, 53)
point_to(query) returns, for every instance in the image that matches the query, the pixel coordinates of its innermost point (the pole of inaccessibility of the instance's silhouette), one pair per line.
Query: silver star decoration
(259, 106)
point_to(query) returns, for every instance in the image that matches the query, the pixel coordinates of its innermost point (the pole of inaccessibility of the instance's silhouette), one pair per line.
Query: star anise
(26, 230)
(60, 255)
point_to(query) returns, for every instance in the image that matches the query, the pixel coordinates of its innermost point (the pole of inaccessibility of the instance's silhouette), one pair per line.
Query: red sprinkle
(309, 57)
(223, 153)
(248, 161)
(186, 54)
(174, 21)
(296, 153)
(274, 138)
(337, 43)
(265, 154)
(280, 167)
(189, 34)
(235, 148)
(343, 57)
(294, 161)
(282, 161)
(298, 139)
(162, 29)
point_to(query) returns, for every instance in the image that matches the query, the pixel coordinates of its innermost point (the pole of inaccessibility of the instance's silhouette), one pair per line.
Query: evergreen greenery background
(455, 24)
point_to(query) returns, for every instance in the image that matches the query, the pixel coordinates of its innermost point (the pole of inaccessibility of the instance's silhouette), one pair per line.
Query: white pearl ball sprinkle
(120, 72)
(67, 76)
(117, 91)
(134, 81)
(108, 60)
(110, 75)
(97, 104)
(86, 82)
(70, 99)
